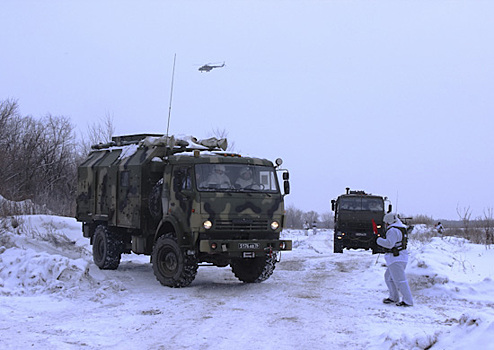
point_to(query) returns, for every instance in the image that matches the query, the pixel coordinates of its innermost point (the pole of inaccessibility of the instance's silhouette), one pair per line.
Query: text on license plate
(248, 246)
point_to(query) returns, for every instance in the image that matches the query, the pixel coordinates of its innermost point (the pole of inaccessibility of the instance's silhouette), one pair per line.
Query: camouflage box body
(357, 216)
(140, 190)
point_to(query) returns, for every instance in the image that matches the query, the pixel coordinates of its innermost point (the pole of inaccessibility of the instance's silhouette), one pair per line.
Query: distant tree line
(479, 230)
(298, 219)
(38, 160)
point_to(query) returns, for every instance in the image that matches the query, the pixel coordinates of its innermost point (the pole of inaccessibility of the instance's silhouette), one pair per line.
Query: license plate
(248, 246)
(361, 234)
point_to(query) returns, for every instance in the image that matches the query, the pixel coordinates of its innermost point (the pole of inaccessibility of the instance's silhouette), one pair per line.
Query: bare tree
(58, 168)
(100, 132)
(422, 219)
(470, 229)
(311, 217)
(37, 160)
(488, 226)
(465, 215)
(327, 220)
(8, 112)
(223, 134)
(8, 109)
(294, 217)
(20, 153)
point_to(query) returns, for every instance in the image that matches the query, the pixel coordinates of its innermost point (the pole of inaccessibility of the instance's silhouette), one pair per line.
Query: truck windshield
(361, 203)
(236, 178)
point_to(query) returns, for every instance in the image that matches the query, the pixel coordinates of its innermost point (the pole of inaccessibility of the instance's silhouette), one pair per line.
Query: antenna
(396, 209)
(171, 96)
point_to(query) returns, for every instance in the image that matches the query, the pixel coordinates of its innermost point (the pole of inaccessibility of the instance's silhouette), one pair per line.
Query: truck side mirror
(332, 204)
(390, 208)
(286, 175)
(286, 186)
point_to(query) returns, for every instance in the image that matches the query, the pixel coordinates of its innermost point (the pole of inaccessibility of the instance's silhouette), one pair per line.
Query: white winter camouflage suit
(394, 276)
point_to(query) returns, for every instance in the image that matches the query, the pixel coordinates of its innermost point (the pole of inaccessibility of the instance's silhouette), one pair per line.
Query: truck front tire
(171, 266)
(337, 245)
(254, 270)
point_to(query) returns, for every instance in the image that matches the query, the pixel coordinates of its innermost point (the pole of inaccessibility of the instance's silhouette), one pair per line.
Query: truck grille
(241, 225)
(358, 227)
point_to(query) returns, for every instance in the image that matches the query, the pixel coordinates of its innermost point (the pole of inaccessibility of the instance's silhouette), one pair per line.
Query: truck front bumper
(246, 249)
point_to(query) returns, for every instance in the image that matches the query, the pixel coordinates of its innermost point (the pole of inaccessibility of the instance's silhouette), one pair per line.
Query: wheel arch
(168, 225)
(89, 228)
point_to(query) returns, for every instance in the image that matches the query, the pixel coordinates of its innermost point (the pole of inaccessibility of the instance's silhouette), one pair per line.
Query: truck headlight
(207, 224)
(275, 225)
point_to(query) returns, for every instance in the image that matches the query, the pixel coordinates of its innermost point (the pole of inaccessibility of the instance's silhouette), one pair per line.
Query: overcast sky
(392, 97)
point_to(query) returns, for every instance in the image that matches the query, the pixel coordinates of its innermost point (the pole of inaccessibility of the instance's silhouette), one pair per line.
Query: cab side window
(182, 179)
(187, 179)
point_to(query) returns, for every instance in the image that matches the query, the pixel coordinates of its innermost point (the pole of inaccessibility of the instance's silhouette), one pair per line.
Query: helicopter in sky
(209, 67)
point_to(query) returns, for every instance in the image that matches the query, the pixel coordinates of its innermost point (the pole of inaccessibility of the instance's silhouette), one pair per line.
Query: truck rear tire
(107, 248)
(171, 266)
(254, 270)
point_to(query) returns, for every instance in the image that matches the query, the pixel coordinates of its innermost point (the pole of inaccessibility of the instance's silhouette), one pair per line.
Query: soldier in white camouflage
(396, 257)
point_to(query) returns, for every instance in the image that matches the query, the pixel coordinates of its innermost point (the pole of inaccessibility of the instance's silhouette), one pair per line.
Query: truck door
(181, 195)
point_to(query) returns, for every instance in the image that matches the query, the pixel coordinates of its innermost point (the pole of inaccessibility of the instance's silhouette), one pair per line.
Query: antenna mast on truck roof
(171, 96)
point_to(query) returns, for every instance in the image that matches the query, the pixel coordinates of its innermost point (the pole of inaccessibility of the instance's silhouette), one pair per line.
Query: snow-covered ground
(52, 296)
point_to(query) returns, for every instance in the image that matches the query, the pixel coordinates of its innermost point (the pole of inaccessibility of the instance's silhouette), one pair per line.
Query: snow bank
(8, 207)
(470, 331)
(25, 271)
(453, 266)
(43, 255)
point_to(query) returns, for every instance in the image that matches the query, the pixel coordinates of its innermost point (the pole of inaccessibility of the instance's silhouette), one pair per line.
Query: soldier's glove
(374, 242)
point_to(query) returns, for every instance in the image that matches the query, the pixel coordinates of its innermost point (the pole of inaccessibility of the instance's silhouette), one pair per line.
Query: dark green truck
(357, 215)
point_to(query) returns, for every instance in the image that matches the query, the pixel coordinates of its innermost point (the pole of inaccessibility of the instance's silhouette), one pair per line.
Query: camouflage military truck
(184, 203)
(357, 216)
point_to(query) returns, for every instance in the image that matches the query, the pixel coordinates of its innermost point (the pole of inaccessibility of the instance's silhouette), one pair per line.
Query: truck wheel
(171, 266)
(254, 270)
(107, 248)
(337, 246)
